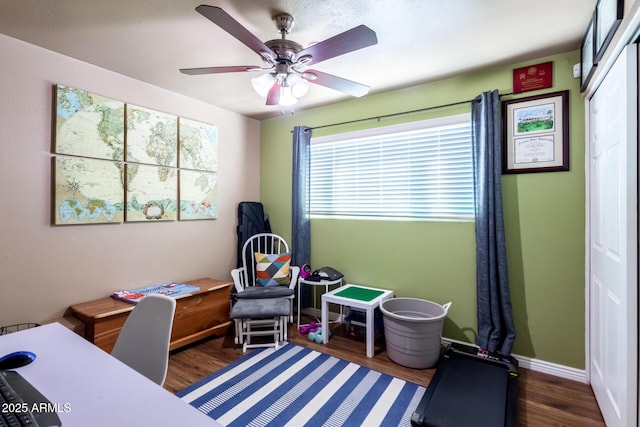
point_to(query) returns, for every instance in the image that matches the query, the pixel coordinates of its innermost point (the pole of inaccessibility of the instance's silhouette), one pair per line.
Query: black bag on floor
(251, 220)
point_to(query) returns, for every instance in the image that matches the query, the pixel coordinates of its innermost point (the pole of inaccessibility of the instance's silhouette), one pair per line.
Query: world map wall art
(115, 162)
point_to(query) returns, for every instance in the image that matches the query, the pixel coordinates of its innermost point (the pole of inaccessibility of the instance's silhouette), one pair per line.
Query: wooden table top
(108, 306)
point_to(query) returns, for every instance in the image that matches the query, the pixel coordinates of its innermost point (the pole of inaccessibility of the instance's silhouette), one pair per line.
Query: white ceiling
(418, 40)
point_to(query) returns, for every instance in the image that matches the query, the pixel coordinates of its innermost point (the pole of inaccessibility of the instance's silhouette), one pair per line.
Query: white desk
(97, 389)
(325, 283)
(340, 296)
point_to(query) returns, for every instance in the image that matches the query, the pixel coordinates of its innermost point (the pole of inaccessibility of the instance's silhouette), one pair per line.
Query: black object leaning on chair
(251, 221)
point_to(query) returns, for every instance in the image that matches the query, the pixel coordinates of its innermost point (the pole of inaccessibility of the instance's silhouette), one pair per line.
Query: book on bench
(172, 289)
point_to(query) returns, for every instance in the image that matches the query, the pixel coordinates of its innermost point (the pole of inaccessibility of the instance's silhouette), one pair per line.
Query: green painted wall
(544, 216)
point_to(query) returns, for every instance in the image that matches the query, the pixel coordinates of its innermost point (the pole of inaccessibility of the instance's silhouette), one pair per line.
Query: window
(419, 170)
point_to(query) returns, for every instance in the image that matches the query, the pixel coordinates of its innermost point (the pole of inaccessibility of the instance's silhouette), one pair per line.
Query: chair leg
(238, 328)
(284, 326)
(249, 333)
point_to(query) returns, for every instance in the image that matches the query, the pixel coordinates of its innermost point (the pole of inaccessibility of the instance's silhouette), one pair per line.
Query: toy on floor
(317, 336)
(311, 327)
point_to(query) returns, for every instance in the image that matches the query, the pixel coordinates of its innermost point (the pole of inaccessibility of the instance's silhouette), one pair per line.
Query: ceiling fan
(286, 61)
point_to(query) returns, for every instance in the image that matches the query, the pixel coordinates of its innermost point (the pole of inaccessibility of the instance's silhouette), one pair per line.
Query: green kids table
(357, 296)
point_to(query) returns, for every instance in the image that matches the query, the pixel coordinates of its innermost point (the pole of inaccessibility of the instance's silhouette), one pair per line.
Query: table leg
(325, 321)
(370, 334)
(299, 286)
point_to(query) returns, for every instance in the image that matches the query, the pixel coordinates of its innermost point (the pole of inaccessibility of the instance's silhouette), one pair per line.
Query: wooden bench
(198, 315)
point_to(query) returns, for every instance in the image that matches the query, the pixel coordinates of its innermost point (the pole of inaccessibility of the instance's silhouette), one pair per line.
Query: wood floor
(544, 400)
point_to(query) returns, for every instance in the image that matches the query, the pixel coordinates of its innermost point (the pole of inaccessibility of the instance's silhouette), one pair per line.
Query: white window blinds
(420, 170)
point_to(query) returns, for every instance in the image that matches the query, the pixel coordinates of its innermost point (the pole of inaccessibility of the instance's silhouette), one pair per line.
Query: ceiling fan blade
(217, 70)
(233, 27)
(349, 41)
(273, 97)
(337, 83)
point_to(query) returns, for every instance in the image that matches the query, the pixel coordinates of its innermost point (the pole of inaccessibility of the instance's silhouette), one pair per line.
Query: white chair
(143, 342)
(264, 310)
(245, 277)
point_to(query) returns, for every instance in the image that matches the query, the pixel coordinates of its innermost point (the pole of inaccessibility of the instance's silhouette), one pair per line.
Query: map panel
(152, 193)
(120, 162)
(152, 137)
(198, 145)
(198, 195)
(88, 125)
(87, 191)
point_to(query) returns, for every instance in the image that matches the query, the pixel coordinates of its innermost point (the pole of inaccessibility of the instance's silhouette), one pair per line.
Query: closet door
(613, 240)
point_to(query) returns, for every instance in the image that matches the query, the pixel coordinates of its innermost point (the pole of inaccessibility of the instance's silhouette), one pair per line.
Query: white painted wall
(44, 269)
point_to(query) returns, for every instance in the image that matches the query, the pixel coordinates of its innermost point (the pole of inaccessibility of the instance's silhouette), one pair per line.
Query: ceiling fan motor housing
(285, 49)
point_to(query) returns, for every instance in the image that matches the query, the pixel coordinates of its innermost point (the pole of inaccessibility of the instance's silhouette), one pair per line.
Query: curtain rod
(385, 116)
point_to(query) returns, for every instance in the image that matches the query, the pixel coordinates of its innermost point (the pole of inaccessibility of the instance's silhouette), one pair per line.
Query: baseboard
(561, 371)
(537, 365)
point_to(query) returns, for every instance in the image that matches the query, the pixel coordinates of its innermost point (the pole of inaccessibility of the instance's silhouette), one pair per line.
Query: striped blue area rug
(296, 386)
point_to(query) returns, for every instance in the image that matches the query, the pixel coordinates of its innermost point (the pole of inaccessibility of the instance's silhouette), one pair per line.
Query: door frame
(629, 33)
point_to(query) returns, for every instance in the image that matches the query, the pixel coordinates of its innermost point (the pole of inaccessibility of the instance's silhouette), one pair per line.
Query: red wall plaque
(533, 77)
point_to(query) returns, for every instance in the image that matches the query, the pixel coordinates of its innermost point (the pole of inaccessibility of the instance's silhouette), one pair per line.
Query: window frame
(464, 118)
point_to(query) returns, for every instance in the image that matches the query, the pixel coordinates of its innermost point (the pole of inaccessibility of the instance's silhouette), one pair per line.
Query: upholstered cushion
(260, 308)
(257, 292)
(272, 269)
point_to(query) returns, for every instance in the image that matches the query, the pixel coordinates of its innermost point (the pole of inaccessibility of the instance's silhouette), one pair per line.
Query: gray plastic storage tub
(412, 330)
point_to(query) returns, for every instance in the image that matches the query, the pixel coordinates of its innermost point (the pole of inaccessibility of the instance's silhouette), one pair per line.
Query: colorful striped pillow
(272, 269)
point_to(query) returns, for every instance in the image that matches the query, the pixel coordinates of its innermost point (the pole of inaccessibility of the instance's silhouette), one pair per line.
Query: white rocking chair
(267, 317)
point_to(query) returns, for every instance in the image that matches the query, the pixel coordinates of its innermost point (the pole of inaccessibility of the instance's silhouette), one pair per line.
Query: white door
(613, 239)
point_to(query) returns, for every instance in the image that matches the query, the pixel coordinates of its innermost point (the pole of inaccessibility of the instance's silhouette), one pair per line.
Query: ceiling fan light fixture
(299, 86)
(263, 83)
(286, 97)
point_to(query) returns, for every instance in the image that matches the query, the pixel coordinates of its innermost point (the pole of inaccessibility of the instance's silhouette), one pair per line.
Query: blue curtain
(496, 331)
(300, 224)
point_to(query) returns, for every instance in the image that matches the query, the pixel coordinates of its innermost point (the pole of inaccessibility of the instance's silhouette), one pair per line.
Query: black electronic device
(23, 404)
(325, 273)
(485, 385)
(17, 359)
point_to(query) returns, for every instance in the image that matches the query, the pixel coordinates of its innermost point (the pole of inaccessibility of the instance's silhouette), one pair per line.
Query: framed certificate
(608, 17)
(536, 133)
(588, 54)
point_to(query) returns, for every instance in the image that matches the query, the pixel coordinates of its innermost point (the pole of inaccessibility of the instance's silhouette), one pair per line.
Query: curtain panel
(496, 331)
(300, 222)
